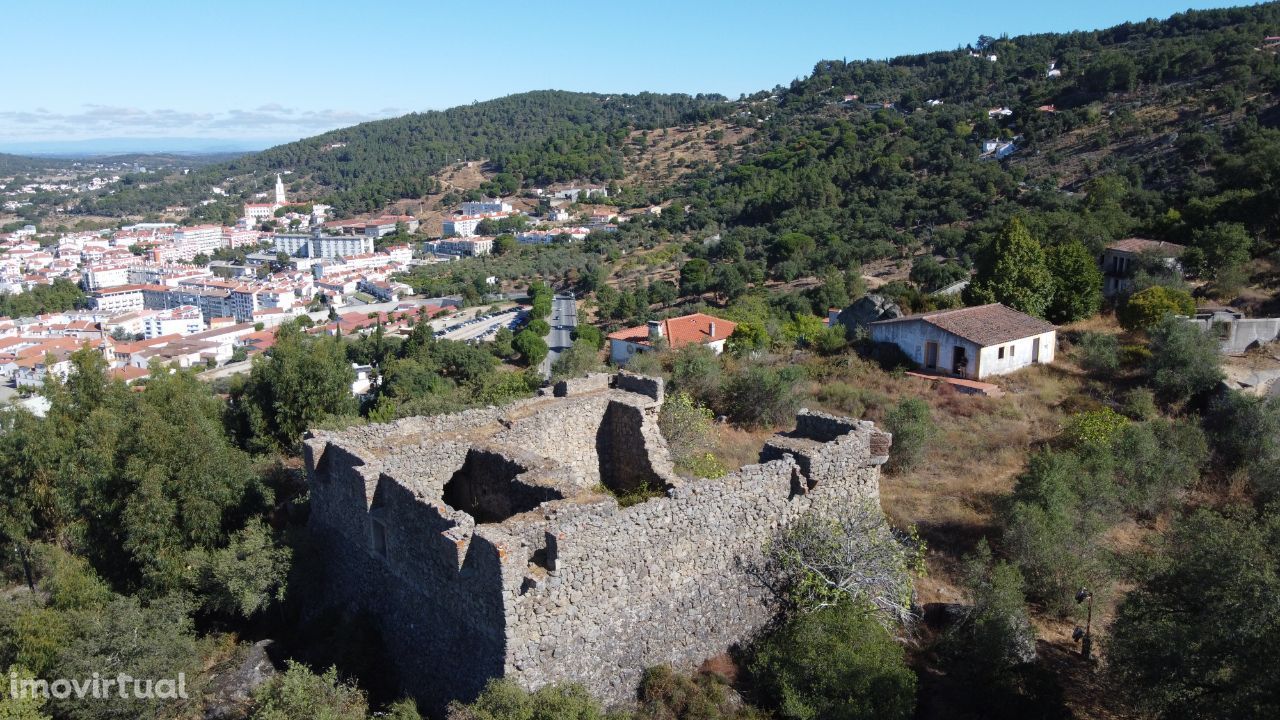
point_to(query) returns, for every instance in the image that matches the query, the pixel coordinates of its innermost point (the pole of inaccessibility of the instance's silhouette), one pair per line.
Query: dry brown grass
(667, 153)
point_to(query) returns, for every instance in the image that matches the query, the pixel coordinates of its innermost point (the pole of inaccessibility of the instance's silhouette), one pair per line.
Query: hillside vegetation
(162, 527)
(533, 138)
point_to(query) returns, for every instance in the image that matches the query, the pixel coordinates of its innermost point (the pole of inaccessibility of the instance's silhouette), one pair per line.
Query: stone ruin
(489, 543)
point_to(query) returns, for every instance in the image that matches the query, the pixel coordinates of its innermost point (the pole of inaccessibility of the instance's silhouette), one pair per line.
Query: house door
(959, 361)
(931, 355)
(1035, 350)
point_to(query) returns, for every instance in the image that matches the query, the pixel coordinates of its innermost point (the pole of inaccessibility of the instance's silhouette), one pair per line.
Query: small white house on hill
(974, 342)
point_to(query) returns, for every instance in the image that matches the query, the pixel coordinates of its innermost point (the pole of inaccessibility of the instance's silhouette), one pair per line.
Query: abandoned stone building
(487, 543)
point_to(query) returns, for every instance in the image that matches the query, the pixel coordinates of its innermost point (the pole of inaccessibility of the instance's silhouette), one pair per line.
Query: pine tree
(1012, 271)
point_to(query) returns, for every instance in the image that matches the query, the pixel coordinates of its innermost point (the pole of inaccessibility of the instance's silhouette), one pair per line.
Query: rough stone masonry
(485, 544)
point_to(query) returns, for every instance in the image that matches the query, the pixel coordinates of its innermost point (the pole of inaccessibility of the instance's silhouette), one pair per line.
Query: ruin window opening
(487, 488)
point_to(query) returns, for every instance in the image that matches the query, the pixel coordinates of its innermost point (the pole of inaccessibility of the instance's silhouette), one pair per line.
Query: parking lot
(481, 328)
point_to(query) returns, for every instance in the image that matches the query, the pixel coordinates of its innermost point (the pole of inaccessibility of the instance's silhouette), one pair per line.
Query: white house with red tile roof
(972, 342)
(674, 332)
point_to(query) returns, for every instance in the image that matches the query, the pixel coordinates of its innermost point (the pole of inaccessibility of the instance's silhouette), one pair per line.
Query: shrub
(835, 664)
(852, 557)
(995, 636)
(666, 695)
(1140, 404)
(912, 427)
(1134, 355)
(695, 369)
(1182, 642)
(1156, 460)
(300, 694)
(1060, 506)
(1246, 438)
(1096, 427)
(759, 396)
(687, 427)
(1184, 361)
(1099, 352)
(1147, 308)
(579, 359)
(539, 327)
(589, 333)
(531, 347)
(502, 699)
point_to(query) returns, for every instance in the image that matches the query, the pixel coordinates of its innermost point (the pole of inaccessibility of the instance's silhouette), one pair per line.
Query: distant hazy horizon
(150, 145)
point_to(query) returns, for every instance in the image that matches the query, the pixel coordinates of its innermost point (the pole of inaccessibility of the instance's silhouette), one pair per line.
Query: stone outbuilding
(1121, 259)
(973, 342)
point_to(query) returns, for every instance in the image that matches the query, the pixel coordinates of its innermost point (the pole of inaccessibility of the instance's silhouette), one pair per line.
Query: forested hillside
(1168, 129)
(540, 137)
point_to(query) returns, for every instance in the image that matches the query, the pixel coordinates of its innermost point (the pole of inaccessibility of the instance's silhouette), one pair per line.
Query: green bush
(1060, 506)
(591, 334)
(1145, 309)
(912, 427)
(995, 636)
(1140, 404)
(1184, 363)
(1156, 460)
(1132, 356)
(300, 694)
(1096, 427)
(1245, 431)
(759, 396)
(502, 699)
(695, 369)
(531, 347)
(1098, 352)
(1190, 640)
(836, 663)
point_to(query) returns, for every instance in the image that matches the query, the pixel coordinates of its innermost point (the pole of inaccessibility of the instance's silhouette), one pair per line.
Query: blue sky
(280, 70)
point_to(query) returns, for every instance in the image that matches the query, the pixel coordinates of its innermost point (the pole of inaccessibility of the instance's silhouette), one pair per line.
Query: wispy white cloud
(117, 121)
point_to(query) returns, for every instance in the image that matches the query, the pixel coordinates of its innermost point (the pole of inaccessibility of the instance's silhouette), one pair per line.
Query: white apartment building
(323, 246)
(96, 277)
(182, 320)
(466, 247)
(189, 242)
(120, 299)
(485, 206)
(463, 226)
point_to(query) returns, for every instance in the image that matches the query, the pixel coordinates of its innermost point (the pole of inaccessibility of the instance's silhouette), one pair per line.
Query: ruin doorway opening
(625, 467)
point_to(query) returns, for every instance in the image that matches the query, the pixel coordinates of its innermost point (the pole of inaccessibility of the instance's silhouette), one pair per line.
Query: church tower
(279, 191)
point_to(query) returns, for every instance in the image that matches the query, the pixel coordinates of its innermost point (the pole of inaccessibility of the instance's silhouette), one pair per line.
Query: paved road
(563, 320)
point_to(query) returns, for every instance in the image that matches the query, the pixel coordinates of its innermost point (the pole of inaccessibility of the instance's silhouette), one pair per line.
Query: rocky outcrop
(868, 309)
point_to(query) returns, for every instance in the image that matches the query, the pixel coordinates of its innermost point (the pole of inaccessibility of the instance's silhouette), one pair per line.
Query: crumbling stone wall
(562, 584)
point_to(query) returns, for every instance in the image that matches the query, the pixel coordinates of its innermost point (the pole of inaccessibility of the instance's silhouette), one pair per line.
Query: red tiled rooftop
(681, 331)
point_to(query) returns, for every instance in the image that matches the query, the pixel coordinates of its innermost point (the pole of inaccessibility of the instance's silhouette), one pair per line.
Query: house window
(1000, 354)
(1011, 349)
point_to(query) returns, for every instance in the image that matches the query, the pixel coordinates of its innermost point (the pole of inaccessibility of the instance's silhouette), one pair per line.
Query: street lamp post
(1084, 637)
